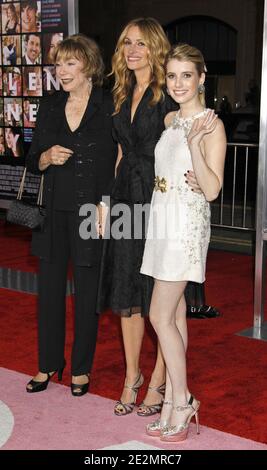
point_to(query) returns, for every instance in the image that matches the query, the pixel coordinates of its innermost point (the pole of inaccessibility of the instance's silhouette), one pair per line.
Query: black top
(94, 159)
(11, 30)
(64, 197)
(121, 286)
(135, 175)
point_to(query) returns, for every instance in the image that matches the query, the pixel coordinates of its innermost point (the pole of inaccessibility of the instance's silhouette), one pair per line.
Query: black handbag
(31, 215)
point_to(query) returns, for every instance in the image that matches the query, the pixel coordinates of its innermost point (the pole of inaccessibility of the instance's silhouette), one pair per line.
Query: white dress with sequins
(179, 222)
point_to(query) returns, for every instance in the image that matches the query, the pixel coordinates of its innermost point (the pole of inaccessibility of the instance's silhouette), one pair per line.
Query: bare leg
(158, 376)
(182, 327)
(181, 322)
(153, 396)
(164, 307)
(132, 333)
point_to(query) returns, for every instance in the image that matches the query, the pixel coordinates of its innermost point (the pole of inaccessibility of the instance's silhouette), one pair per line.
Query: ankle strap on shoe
(181, 408)
(160, 389)
(136, 384)
(185, 407)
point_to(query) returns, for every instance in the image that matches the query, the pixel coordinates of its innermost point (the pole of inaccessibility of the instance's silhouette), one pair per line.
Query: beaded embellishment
(186, 123)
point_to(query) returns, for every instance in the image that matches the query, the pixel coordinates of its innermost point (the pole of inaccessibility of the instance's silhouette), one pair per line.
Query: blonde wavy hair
(158, 46)
(185, 52)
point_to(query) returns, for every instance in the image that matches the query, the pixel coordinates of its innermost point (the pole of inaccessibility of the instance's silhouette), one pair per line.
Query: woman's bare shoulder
(169, 118)
(219, 130)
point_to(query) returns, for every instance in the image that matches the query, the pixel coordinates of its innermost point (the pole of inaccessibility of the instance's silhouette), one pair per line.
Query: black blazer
(94, 170)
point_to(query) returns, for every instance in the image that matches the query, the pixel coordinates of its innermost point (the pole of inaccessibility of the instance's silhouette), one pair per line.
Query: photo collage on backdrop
(29, 33)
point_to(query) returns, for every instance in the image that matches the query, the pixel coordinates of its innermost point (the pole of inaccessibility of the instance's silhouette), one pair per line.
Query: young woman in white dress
(179, 226)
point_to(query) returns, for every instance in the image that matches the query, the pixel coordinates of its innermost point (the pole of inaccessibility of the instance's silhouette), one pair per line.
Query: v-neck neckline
(82, 118)
(80, 123)
(132, 119)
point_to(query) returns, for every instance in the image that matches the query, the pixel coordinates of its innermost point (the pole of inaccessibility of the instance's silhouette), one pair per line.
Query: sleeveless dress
(121, 286)
(179, 222)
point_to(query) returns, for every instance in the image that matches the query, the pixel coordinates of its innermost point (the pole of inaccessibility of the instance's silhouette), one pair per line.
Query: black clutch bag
(26, 213)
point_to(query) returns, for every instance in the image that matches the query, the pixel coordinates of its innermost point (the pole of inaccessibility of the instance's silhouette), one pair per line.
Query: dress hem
(161, 277)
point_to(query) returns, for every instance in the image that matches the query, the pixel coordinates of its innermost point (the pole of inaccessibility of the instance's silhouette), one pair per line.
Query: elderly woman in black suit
(73, 147)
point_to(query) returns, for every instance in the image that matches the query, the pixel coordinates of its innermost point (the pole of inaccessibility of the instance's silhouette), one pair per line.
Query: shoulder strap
(40, 192)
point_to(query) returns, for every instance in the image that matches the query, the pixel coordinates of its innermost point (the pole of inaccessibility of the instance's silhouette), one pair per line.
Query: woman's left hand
(202, 127)
(102, 212)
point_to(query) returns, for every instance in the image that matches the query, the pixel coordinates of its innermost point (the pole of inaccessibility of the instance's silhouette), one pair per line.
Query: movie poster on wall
(29, 33)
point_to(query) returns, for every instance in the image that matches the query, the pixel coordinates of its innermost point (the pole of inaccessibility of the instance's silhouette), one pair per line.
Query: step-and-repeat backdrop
(30, 30)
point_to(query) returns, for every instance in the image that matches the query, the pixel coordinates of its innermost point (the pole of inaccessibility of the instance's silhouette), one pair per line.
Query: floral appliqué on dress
(194, 242)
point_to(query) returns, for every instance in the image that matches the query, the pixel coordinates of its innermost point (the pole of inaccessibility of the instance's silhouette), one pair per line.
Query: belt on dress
(160, 184)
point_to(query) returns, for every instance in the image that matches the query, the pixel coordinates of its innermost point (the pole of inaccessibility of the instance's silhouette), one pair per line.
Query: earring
(201, 88)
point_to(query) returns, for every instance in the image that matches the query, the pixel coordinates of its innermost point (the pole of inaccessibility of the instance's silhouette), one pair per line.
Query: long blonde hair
(158, 45)
(185, 52)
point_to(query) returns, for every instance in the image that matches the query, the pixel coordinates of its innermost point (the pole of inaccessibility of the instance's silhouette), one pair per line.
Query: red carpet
(15, 248)
(227, 373)
(41, 422)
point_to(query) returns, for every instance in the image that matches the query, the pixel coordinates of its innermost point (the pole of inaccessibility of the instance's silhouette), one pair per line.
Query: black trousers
(195, 294)
(52, 302)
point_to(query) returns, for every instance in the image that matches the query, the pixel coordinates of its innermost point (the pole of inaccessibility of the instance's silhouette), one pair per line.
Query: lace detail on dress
(181, 253)
(186, 123)
(198, 225)
(195, 234)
